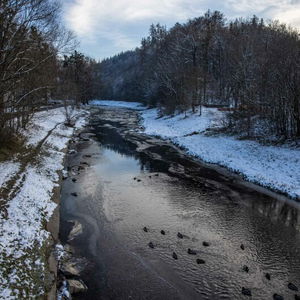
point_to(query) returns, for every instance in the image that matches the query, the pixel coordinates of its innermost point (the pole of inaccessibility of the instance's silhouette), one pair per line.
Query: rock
(200, 261)
(145, 229)
(76, 230)
(162, 232)
(149, 176)
(297, 297)
(87, 155)
(156, 175)
(246, 292)
(174, 255)
(268, 276)
(205, 244)
(76, 286)
(74, 179)
(179, 235)
(246, 269)
(192, 252)
(73, 266)
(69, 249)
(242, 247)
(64, 177)
(292, 287)
(151, 245)
(74, 194)
(277, 297)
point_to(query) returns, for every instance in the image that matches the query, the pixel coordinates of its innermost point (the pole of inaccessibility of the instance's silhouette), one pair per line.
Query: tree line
(250, 67)
(37, 63)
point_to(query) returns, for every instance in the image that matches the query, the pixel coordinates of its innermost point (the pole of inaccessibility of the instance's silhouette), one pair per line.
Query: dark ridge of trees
(251, 67)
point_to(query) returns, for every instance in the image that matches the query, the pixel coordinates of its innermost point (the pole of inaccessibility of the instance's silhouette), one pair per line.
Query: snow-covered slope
(181, 124)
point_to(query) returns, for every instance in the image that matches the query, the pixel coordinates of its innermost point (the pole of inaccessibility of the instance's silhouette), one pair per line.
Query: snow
(8, 170)
(277, 168)
(120, 104)
(180, 124)
(41, 124)
(22, 228)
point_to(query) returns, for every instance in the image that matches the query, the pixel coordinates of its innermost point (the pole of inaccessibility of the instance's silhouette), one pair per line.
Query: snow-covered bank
(277, 168)
(122, 104)
(29, 206)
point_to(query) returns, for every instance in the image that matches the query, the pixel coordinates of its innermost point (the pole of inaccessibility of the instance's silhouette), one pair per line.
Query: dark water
(194, 200)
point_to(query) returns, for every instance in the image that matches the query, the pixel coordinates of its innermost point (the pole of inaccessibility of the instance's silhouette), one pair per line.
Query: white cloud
(87, 15)
(120, 24)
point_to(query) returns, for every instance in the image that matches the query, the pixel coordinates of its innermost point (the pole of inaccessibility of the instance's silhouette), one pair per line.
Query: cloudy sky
(107, 27)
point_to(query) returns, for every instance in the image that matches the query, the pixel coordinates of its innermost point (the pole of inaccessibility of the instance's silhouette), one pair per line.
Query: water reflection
(222, 214)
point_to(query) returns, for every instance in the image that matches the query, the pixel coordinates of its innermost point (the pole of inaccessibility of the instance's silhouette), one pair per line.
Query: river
(131, 181)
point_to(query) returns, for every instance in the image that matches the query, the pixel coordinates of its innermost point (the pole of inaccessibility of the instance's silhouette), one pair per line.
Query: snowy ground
(29, 206)
(277, 168)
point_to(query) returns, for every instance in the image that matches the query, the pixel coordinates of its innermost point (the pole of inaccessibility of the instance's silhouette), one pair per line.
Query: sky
(107, 27)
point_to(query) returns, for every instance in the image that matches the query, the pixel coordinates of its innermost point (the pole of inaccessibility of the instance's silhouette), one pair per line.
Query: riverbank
(29, 191)
(273, 167)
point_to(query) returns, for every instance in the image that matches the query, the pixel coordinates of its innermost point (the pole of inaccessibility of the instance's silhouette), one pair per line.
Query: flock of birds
(245, 291)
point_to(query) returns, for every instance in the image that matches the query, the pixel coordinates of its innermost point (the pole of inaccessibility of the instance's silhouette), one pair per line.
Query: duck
(145, 229)
(292, 287)
(180, 235)
(268, 276)
(246, 292)
(151, 245)
(205, 244)
(200, 261)
(162, 232)
(174, 255)
(192, 252)
(246, 269)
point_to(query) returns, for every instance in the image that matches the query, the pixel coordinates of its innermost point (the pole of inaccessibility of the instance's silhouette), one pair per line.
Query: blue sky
(107, 27)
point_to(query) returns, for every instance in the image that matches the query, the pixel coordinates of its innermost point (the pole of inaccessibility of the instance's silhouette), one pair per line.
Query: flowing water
(134, 181)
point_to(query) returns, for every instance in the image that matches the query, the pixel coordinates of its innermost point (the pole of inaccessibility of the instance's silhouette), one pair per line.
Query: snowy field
(29, 206)
(277, 168)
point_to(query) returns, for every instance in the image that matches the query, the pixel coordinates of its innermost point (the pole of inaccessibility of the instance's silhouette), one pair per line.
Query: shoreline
(275, 168)
(30, 213)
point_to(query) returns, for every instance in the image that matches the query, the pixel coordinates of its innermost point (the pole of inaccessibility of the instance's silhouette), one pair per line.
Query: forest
(247, 66)
(38, 63)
